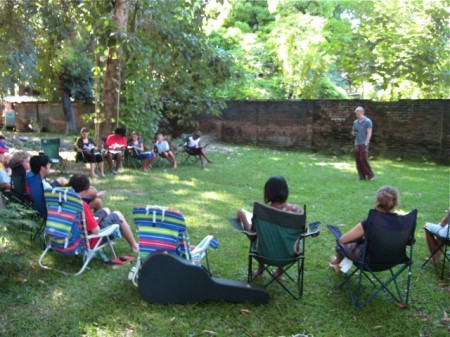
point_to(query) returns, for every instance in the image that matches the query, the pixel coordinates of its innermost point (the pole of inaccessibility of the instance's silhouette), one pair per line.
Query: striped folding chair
(161, 229)
(65, 229)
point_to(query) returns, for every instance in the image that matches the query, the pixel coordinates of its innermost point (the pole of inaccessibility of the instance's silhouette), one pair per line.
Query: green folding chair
(50, 147)
(280, 243)
(387, 253)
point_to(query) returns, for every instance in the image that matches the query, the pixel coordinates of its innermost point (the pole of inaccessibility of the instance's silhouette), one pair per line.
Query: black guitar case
(165, 278)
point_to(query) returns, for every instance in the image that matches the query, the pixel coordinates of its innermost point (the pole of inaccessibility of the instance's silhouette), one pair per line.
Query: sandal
(258, 274)
(278, 274)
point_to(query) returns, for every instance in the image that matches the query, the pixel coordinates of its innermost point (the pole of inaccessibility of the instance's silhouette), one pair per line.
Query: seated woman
(5, 179)
(87, 151)
(115, 144)
(276, 193)
(350, 243)
(193, 148)
(81, 184)
(436, 234)
(163, 149)
(136, 147)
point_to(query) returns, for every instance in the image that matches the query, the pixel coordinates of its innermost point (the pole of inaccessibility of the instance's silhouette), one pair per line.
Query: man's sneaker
(115, 172)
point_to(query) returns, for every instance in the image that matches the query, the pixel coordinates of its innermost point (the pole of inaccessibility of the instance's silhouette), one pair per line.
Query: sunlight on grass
(327, 185)
(340, 165)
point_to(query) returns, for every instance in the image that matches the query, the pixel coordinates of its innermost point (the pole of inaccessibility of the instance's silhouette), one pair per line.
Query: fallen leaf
(210, 332)
(245, 312)
(378, 327)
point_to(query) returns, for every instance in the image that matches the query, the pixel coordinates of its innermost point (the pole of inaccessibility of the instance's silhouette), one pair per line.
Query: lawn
(102, 302)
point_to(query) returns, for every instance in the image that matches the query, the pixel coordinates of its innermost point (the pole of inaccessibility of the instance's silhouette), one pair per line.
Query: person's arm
(91, 224)
(140, 147)
(353, 234)
(368, 136)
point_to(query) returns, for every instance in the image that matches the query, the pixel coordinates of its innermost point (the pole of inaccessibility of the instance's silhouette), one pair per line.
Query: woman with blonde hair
(350, 244)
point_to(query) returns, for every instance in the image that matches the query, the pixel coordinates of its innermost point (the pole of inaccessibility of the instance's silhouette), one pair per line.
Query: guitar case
(166, 278)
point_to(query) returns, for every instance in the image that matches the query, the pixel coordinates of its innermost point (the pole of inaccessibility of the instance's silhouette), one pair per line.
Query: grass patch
(101, 302)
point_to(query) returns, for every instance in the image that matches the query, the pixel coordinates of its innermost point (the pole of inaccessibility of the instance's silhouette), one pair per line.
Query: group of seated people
(36, 169)
(34, 172)
(349, 245)
(116, 144)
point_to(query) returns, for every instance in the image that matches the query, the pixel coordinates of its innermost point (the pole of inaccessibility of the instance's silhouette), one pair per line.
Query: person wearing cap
(87, 151)
(136, 147)
(194, 149)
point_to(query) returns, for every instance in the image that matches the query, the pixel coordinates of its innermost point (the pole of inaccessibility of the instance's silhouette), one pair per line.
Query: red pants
(362, 162)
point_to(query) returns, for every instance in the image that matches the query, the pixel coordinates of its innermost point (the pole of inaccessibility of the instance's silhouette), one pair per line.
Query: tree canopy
(158, 63)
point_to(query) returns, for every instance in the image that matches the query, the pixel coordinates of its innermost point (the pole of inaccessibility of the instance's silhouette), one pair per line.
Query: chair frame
(88, 253)
(443, 246)
(182, 148)
(370, 270)
(50, 147)
(302, 232)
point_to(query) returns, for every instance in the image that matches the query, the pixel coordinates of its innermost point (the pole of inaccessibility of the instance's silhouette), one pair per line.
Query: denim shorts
(106, 219)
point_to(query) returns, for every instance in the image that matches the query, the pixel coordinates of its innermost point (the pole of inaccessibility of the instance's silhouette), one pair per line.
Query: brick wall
(406, 128)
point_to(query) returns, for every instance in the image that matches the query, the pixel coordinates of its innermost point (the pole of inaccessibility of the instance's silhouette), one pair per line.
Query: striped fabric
(59, 221)
(64, 226)
(159, 229)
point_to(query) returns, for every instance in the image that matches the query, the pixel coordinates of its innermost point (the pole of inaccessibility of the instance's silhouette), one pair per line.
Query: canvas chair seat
(442, 243)
(50, 147)
(161, 229)
(66, 232)
(280, 242)
(387, 252)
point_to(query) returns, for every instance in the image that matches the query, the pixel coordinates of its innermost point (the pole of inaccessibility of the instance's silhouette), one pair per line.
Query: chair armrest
(104, 232)
(237, 225)
(202, 246)
(313, 229)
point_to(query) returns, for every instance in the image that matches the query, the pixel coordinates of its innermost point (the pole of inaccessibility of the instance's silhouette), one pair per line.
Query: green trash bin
(10, 120)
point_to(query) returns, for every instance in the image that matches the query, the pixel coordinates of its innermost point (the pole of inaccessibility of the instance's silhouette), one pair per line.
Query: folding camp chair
(186, 156)
(442, 244)
(280, 243)
(50, 147)
(163, 229)
(18, 195)
(387, 249)
(66, 232)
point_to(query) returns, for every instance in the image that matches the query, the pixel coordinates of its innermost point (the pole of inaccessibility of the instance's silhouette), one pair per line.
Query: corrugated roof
(23, 99)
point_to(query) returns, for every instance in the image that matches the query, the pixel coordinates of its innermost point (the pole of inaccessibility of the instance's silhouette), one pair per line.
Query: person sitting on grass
(163, 148)
(194, 149)
(115, 145)
(436, 234)
(350, 243)
(136, 147)
(81, 184)
(276, 192)
(36, 183)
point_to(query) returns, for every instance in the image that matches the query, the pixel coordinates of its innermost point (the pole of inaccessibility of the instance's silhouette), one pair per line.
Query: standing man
(362, 130)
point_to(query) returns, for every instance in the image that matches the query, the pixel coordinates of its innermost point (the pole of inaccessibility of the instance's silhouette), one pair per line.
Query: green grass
(101, 302)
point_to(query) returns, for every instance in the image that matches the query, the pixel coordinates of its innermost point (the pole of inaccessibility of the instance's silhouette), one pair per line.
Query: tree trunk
(71, 124)
(111, 85)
